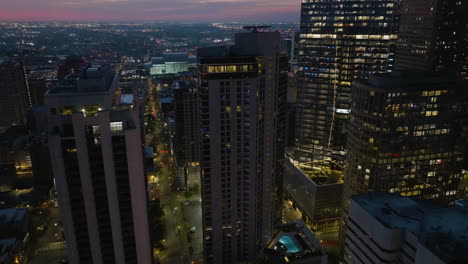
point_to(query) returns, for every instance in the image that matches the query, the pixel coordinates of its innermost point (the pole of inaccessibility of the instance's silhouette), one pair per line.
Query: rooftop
(294, 241)
(92, 79)
(462, 202)
(7, 248)
(246, 45)
(321, 172)
(13, 133)
(444, 231)
(173, 57)
(411, 80)
(12, 215)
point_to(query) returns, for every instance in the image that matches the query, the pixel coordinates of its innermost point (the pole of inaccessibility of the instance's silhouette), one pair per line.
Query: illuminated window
(91, 110)
(67, 110)
(116, 127)
(96, 131)
(432, 113)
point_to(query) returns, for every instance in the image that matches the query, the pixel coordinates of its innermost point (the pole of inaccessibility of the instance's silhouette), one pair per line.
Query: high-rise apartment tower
(95, 141)
(242, 121)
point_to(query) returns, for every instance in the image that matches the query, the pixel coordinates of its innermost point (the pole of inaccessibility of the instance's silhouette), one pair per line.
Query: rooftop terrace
(321, 172)
(294, 241)
(93, 79)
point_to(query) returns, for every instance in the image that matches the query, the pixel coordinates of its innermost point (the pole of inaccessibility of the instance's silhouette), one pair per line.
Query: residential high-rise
(407, 135)
(433, 36)
(95, 138)
(15, 97)
(187, 133)
(340, 41)
(387, 228)
(242, 93)
(186, 114)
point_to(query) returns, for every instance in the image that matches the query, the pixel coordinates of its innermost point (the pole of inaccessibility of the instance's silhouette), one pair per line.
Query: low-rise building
(314, 190)
(172, 63)
(388, 228)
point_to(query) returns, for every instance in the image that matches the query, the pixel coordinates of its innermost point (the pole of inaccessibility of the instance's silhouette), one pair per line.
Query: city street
(179, 216)
(193, 217)
(47, 245)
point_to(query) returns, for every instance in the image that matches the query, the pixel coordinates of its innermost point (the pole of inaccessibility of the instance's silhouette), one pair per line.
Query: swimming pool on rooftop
(291, 244)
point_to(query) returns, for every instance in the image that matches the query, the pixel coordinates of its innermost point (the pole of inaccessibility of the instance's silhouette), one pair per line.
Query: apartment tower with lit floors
(95, 136)
(242, 92)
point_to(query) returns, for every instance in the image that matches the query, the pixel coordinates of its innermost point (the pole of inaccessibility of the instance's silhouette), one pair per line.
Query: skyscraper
(15, 97)
(242, 93)
(95, 141)
(433, 36)
(407, 135)
(340, 41)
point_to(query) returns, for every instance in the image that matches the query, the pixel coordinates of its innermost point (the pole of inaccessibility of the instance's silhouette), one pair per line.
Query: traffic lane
(175, 241)
(193, 217)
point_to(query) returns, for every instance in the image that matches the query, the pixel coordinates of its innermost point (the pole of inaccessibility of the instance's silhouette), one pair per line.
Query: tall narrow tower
(15, 95)
(95, 142)
(242, 120)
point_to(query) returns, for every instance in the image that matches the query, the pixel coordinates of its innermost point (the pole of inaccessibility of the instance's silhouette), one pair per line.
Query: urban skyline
(160, 132)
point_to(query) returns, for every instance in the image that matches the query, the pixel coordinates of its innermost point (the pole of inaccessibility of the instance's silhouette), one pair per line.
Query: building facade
(317, 195)
(433, 36)
(242, 93)
(172, 63)
(407, 135)
(95, 138)
(15, 96)
(340, 41)
(387, 228)
(187, 133)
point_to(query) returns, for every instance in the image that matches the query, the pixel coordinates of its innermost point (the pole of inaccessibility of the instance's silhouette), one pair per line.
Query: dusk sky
(150, 10)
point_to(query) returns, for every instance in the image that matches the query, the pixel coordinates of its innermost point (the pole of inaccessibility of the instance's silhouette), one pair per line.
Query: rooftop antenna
(255, 28)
